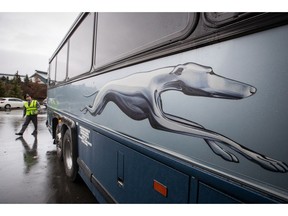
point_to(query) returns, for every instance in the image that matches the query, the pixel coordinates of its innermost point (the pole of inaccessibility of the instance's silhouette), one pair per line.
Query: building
(39, 77)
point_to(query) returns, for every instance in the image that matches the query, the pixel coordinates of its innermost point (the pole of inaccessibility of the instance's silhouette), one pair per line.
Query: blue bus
(173, 107)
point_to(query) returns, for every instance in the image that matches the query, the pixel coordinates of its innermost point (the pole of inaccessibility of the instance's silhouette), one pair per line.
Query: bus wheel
(70, 156)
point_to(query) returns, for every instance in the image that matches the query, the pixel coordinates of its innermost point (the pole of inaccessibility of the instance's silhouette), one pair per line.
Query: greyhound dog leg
(160, 121)
(226, 155)
(99, 103)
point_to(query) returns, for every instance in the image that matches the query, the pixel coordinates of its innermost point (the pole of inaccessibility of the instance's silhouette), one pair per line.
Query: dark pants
(32, 118)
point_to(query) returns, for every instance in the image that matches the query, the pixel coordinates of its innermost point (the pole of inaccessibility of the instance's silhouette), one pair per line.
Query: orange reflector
(162, 189)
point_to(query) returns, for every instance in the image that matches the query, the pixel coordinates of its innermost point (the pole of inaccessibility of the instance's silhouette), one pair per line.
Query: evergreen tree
(3, 79)
(17, 78)
(2, 89)
(16, 90)
(26, 80)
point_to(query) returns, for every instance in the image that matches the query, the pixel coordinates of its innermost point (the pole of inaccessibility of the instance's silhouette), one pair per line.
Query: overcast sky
(28, 39)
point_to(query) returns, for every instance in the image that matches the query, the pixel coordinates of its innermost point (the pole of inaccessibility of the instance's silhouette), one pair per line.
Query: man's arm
(38, 106)
(24, 111)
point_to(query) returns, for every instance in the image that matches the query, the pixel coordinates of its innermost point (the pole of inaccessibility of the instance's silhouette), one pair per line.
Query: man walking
(31, 109)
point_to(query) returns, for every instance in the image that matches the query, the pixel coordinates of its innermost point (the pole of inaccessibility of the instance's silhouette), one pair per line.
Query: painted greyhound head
(199, 80)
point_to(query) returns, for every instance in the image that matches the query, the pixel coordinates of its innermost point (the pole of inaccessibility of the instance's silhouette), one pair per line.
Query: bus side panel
(211, 195)
(131, 177)
(85, 156)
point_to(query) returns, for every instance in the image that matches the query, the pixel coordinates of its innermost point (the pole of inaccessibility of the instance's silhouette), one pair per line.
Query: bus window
(144, 30)
(61, 64)
(81, 47)
(52, 72)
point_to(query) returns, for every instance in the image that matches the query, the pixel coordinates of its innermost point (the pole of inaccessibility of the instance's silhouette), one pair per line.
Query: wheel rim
(68, 154)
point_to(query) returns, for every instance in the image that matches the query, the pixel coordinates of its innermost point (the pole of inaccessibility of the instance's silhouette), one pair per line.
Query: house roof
(41, 72)
(42, 75)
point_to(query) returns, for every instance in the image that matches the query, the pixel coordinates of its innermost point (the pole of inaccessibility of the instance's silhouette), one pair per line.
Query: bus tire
(70, 156)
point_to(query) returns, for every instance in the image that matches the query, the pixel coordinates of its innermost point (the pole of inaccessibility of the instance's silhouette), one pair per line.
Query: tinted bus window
(52, 71)
(61, 64)
(119, 34)
(81, 47)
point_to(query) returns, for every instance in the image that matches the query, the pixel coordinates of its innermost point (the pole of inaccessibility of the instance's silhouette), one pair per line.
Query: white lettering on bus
(84, 136)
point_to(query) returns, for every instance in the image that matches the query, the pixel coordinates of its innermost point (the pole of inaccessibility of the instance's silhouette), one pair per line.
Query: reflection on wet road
(30, 170)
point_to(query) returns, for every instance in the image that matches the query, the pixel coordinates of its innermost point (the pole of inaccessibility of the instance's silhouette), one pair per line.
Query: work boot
(19, 134)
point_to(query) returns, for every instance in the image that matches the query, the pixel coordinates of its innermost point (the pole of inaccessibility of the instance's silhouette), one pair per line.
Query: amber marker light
(162, 189)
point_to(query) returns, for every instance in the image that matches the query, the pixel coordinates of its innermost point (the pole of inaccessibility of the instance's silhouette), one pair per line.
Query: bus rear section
(189, 109)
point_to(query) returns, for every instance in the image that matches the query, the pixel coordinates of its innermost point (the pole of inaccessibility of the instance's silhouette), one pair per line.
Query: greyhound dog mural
(139, 97)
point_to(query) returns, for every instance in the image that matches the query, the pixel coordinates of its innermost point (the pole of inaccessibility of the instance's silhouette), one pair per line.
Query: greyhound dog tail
(96, 92)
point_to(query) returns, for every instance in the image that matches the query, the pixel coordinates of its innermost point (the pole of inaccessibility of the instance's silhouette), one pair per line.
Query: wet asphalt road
(29, 168)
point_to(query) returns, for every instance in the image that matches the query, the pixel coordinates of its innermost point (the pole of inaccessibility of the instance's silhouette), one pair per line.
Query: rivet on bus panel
(162, 189)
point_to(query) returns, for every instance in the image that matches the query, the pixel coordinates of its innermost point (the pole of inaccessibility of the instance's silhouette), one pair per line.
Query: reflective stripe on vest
(32, 109)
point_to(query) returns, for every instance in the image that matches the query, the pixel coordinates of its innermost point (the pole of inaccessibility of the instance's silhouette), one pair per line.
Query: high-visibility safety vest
(32, 108)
